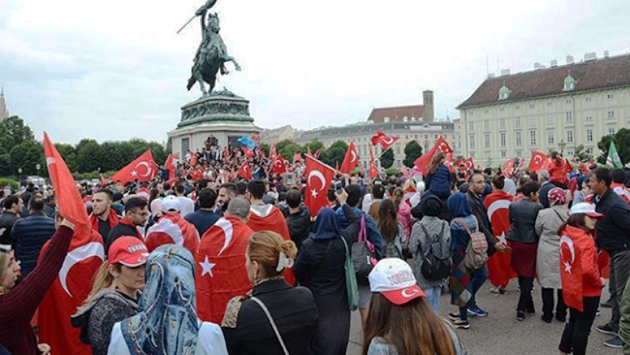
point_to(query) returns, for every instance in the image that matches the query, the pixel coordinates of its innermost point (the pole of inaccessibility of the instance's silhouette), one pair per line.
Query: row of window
(549, 103)
(519, 153)
(551, 119)
(532, 137)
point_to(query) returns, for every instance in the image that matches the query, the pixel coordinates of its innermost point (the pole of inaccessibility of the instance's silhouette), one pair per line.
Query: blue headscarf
(326, 226)
(458, 205)
(167, 320)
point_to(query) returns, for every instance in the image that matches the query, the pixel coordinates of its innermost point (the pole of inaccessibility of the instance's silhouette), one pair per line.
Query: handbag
(363, 255)
(352, 288)
(273, 324)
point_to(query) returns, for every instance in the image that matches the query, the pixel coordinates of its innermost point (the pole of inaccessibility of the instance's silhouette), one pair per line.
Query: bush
(9, 182)
(392, 171)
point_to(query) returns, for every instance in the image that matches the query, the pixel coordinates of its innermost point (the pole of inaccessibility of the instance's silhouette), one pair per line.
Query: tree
(622, 142)
(413, 151)
(581, 154)
(90, 156)
(289, 150)
(27, 155)
(334, 156)
(314, 145)
(69, 155)
(387, 159)
(13, 131)
(265, 148)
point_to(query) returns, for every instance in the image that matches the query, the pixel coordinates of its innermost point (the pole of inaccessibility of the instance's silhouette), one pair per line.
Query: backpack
(435, 266)
(477, 249)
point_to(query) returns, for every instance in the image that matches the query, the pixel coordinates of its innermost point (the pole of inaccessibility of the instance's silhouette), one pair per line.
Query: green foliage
(314, 145)
(289, 150)
(27, 155)
(334, 155)
(69, 155)
(13, 131)
(413, 151)
(392, 171)
(90, 155)
(387, 159)
(265, 148)
(581, 154)
(622, 142)
(339, 144)
(9, 182)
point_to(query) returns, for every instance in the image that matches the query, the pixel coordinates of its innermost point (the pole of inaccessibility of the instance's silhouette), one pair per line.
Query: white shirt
(188, 206)
(210, 342)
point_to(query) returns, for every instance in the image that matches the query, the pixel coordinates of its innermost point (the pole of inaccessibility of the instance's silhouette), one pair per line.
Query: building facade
(4, 111)
(273, 136)
(556, 108)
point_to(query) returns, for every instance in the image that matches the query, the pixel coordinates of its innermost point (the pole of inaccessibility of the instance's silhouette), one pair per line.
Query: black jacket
(299, 224)
(292, 309)
(118, 231)
(613, 231)
(481, 213)
(7, 219)
(30, 234)
(543, 194)
(523, 215)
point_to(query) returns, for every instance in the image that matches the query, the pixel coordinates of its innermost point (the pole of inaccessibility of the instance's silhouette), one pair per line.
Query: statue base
(221, 114)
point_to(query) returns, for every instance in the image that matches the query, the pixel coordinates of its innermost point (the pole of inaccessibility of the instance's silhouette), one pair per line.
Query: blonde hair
(409, 183)
(264, 247)
(102, 279)
(5, 261)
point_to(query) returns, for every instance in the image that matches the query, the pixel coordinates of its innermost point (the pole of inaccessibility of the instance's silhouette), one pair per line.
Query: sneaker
(454, 316)
(614, 343)
(599, 311)
(476, 311)
(531, 311)
(495, 291)
(503, 291)
(461, 324)
(607, 304)
(520, 315)
(606, 329)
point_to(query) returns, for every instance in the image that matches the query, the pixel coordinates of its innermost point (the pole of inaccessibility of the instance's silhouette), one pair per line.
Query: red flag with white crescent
(173, 229)
(245, 171)
(142, 169)
(507, 169)
(221, 273)
(277, 165)
(272, 152)
(170, 166)
(423, 161)
(373, 170)
(85, 255)
(497, 203)
(318, 179)
(537, 161)
(384, 140)
(350, 161)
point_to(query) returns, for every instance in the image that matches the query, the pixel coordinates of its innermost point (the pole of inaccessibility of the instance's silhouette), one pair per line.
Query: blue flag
(248, 142)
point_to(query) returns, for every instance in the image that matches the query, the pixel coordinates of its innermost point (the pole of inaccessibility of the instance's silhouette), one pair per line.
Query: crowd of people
(201, 260)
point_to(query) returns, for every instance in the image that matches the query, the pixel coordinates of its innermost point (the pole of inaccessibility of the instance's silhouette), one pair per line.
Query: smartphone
(338, 187)
(288, 179)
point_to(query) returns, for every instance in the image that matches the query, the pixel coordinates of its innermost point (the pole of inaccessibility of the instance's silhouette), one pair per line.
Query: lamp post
(20, 175)
(562, 145)
(37, 166)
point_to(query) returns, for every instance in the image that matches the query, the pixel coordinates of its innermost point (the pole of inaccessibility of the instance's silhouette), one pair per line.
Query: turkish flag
(571, 268)
(221, 273)
(193, 158)
(317, 153)
(173, 229)
(308, 151)
(255, 138)
(507, 169)
(318, 179)
(245, 171)
(85, 255)
(384, 140)
(373, 170)
(103, 179)
(170, 166)
(272, 152)
(297, 157)
(423, 161)
(277, 165)
(350, 161)
(142, 169)
(248, 152)
(449, 163)
(537, 161)
(497, 203)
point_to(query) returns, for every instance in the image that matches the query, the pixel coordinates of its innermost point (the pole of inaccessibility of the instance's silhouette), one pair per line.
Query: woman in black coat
(320, 267)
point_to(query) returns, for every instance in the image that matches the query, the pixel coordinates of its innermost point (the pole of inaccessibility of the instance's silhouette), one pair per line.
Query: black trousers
(525, 302)
(575, 335)
(548, 302)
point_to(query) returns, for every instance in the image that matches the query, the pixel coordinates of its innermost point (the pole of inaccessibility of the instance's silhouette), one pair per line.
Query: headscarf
(326, 226)
(580, 181)
(458, 205)
(556, 196)
(167, 320)
(510, 187)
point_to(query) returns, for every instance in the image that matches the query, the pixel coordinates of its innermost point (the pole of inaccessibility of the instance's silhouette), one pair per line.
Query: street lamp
(20, 175)
(562, 145)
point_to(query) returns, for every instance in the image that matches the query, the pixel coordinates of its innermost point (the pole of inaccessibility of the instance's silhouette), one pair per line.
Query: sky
(117, 70)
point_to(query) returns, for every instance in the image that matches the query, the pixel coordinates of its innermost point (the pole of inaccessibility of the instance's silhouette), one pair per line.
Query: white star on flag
(206, 267)
(567, 267)
(502, 239)
(134, 173)
(314, 193)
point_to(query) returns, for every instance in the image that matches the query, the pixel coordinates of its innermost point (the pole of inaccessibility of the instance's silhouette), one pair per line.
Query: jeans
(433, 296)
(477, 278)
(619, 272)
(547, 299)
(575, 335)
(525, 302)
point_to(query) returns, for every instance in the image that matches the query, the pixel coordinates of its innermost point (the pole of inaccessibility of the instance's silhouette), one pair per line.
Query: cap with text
(129, 251)
(393, 278)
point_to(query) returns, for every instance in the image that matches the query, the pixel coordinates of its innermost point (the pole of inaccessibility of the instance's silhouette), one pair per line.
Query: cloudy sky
(115, 70)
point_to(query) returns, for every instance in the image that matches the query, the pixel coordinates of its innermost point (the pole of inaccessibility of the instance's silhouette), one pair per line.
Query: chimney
(505, 72)
(590, 56)
(606, 54)
(490, 75)
(569, 59)
(554, 63)
(428, 110)
(538, 66)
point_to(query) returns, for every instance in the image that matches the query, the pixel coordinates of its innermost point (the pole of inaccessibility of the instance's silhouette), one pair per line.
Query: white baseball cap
(393, 278)
(586, 208)
(171, 204)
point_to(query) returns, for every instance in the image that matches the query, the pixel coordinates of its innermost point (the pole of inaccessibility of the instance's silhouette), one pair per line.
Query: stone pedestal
(222, 114)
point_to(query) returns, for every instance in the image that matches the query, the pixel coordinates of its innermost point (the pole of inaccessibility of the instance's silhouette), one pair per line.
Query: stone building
(275, 135)
(412, 113)
(555, 108)
(4, 111)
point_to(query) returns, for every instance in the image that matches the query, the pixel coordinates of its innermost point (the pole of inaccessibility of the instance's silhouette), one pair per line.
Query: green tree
(622, 142)
(581, 154)
(314, 145)
(27, 155)
(69, 155)
(289, 150)
(413, 151)
(387, 159)
(334, 156)
(13, 131)
(265, 148)
(5, 163)
(90, 156)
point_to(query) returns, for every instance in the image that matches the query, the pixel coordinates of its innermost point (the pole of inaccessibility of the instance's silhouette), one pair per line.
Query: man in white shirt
(187, 205)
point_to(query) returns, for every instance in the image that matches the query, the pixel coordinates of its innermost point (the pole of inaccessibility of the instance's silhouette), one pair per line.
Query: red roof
(395, 113)
(605, 73)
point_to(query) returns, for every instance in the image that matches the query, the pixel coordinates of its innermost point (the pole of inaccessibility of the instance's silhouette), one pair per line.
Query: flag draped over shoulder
(85, 255)
(142, 169)
(497, 203)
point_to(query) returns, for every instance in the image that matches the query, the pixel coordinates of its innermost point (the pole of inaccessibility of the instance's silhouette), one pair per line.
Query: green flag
(613, 157)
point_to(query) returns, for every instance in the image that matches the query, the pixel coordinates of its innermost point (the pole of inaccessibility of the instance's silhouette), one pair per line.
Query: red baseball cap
(393, 278)
(129, 251)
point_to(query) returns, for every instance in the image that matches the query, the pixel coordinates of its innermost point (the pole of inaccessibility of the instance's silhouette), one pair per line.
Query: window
(589, 116)
(611, 114)
(550, 120)
(611, 96)
(472, 155)
(589, 134)
(472, 113)
(426, 146)
(502, 109)
(569, 86)
(517, 107)
(502, 123)
(611, 130)
(569, 136)
(550, 103)
(550, 137)
(486, 125)
(588, 99)
(503, 154)
(532, 137)
(386, 119)
(397, 148)
(569, 116)
(486, 140)
(185, 145)
(519, 153)
(503, 139)
(486, 111)
(471, 141)
(589, 151)
(531, 106)
(471, 126)
(517, 122)
(568, 101)
(532, 121)
(416, 136)
(519, 140)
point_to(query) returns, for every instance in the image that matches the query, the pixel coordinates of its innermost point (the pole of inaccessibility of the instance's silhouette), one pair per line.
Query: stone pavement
(500, 333)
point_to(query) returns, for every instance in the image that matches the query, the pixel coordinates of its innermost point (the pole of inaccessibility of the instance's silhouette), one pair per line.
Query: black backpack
(435, 266)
